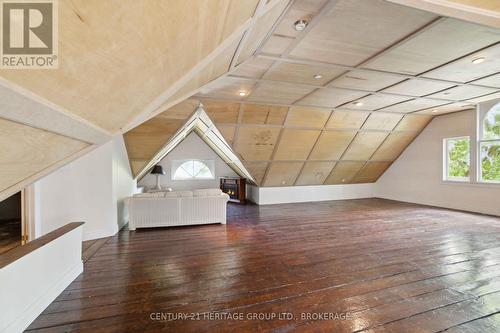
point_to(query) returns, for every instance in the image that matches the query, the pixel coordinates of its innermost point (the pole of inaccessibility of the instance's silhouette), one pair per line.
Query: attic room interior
(250, 166)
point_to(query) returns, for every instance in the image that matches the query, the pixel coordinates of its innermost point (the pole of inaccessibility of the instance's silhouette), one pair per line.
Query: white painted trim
(30, 212)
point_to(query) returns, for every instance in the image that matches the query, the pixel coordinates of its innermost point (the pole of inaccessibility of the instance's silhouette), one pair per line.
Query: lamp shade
(158, 170)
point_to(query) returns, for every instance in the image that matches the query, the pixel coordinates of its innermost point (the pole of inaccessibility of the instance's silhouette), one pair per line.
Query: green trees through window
(458, 159)
(490, 146)
(490, 161)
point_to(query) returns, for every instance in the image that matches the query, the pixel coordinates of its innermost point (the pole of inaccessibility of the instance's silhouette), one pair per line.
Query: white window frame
(446, 176)
(481, 113)
(177, 163)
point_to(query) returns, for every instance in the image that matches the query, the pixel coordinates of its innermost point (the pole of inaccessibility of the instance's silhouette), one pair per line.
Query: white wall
(32, 282)
(123, 183)
(416, 176)
(288, 194)
(90, 189)
(193, 147)
(252, 193)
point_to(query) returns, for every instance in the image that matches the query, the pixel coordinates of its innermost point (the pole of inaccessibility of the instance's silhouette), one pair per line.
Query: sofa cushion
(184, 193)
(208, 192)
(150, 195)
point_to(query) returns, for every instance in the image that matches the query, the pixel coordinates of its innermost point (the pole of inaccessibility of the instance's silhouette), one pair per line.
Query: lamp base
(158, 186)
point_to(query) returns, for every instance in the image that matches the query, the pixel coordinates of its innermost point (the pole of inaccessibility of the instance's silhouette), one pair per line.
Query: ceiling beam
(352, 68)
(22, 106)
(480, 12)
(341, 107)
(33, 178)
(157, 106)
(369, 92)
(246, 34)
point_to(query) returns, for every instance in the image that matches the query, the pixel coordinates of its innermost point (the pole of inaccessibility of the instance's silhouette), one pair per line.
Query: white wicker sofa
(165, 209)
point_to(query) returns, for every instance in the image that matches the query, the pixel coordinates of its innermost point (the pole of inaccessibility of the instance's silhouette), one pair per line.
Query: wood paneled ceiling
(121, 63)
(339, 101)
(295, 145)
(363, 78)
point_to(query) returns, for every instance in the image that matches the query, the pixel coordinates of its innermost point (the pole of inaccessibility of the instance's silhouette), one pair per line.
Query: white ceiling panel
(226, 88)
(418, 87)
(463, 92)
(254, 68)
(366, 80)
(484, 98)
(276, 45)
(441, 43)
(300, 10)
(278, 92)
(330, 97)
(301, 73)
(465, 70)
(414, 105)
(491, 81)
(374, 102)
(452, 107)
(355, 30)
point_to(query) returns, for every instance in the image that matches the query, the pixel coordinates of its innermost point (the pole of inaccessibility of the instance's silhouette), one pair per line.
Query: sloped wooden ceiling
(27, 150)
(143, 142)
(288, 145)
(122, 62)
(342, 82)
(339, 101)
(147, 139)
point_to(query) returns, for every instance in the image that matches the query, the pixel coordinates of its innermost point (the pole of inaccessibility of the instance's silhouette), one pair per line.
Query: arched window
(489, 146)
(192, 169)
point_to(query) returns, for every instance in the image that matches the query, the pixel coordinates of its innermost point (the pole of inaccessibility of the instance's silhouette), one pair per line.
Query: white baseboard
(294, 194)
(35, 308)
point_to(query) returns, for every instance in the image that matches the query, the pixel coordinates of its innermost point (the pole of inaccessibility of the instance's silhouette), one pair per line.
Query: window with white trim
(193, 169)
(489, 146)
(457, 159)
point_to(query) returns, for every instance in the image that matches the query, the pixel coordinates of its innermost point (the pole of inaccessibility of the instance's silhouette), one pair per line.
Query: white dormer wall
(192, 147)
(417, 175)
(91, 189)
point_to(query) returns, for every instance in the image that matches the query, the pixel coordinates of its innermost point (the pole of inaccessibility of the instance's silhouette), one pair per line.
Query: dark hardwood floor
(366, 265)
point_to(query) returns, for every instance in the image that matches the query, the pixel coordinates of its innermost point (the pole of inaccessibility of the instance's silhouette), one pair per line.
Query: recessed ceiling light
(300, 25)
(318, 76)
(478, 60)
(358, 103)
(243, 93)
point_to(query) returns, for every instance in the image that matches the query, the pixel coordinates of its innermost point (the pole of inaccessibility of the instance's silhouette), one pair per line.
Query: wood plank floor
(367, 265)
